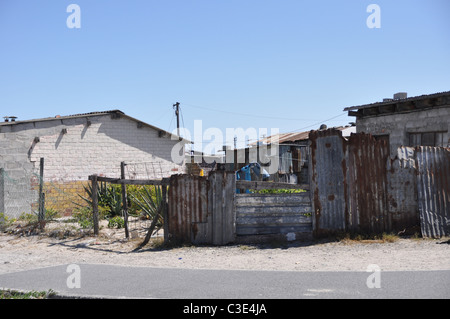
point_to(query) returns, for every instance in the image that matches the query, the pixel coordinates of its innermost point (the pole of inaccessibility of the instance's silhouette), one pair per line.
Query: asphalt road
(86, 280)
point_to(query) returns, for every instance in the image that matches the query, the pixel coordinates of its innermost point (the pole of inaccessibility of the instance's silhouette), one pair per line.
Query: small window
(382, 138)
(427, 139)
(440, 139)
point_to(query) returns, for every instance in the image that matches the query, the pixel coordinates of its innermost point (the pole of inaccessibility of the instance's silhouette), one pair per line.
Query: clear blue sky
(293, 64)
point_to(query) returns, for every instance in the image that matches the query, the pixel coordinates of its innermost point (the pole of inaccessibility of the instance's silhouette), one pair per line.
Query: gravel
(19, 253)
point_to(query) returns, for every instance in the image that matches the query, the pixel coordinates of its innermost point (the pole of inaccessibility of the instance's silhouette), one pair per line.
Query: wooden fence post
(124, 199)
(164, 212)
(2, 194)
(95, 203)
(41, 215)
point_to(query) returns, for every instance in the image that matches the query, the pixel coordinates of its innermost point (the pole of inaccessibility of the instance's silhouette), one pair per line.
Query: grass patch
(350, 238)
(12, 294)
(246, 247)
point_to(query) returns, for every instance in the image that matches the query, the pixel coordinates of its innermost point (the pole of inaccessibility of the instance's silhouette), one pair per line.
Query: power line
(170, 125)
(318, 123)
(246, 114)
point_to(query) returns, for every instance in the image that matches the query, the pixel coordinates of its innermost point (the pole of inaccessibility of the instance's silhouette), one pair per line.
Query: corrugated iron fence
(201, 209)
(433, 189)
(207, 210)
(356, 186)
(366, 184)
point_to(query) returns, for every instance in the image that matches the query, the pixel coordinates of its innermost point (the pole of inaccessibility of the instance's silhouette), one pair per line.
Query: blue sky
(289, 64)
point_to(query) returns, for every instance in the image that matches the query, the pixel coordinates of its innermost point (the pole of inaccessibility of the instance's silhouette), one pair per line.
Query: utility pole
(176, 106)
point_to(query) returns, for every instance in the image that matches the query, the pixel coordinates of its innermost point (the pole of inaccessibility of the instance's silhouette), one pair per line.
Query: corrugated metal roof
(59, 117)
(414, 98)
(90, 114)
(297, 136)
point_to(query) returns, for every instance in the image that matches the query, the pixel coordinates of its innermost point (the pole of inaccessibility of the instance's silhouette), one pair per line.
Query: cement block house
(402, 121)
(75, 147)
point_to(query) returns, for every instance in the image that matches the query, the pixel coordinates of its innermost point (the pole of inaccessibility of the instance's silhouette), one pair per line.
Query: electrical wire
(314, 125)
(170, 125)
(182, 119)
(246, 114)
(259, 116)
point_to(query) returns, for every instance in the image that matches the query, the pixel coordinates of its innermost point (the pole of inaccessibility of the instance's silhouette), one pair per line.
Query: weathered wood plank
(273, 220)
(299, 209)
(164, 181)
(282, 200)
(271, 214)
(275, 229)
(258, 185)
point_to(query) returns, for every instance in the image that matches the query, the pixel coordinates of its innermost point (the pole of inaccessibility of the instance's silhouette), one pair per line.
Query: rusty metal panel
(433, 190)
(201, 209)
(356, 186)
(187, 208)
(267, 214)
(349, 183)
(402, 191)
(327, 174)
(367, 184)
(221, 207)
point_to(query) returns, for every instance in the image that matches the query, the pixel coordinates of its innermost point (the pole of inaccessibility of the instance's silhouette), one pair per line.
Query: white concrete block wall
(100, 148)
(84, 150)
(17, 194)
(398, 126)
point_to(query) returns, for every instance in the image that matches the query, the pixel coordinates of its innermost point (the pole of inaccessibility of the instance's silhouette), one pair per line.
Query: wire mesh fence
(27, 197)
(29, 201)
(19, 192)
(145, 170)
(144, 200)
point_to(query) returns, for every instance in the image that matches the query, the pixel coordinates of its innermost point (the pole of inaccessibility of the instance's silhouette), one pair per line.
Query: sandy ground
(19, 253)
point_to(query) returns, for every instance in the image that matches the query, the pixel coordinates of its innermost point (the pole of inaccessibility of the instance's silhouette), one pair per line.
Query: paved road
(126, 282)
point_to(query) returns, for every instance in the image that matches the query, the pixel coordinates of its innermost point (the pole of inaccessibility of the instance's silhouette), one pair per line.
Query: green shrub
(116, 222)
(110, 198)
(5, 221)
(28, 218)
(84, 216)
(149, 200)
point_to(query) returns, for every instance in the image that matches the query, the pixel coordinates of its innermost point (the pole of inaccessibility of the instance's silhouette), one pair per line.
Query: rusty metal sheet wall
(267, 214)
(221, 207)
(201, 209)
(188, 208)
(402, 191)
(357, 186)
(433, 190)
(349, 182)
(366, 182)
(328, 181)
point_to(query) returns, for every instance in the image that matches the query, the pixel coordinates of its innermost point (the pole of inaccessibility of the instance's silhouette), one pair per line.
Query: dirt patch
(29, 252)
